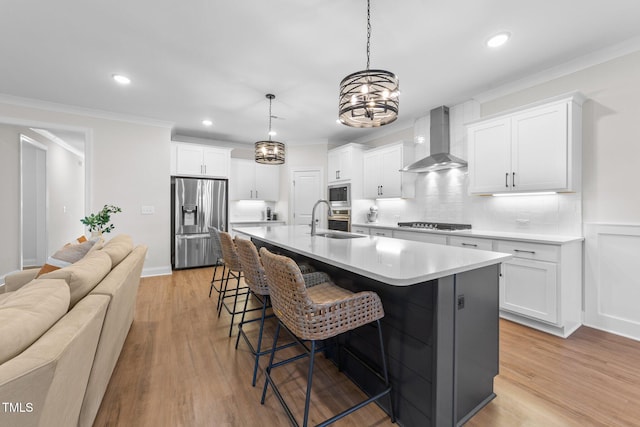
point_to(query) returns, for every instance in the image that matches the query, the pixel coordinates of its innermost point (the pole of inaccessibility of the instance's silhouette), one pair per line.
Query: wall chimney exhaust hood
(440, 158)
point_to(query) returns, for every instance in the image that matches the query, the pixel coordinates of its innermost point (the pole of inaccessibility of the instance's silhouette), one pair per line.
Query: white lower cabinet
(541, 286)
(530, 288)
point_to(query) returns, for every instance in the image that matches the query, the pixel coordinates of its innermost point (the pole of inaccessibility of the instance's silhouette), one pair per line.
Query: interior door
(306, 189)
(33, 172)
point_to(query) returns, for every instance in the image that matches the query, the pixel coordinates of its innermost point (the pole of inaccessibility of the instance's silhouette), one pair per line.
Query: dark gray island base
(441, 338)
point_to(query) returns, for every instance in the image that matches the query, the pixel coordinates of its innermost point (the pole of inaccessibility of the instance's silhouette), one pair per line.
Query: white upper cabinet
(252, 181)
(340, 164)
(200, 160)
(536, 149)
(382, 176)
(344, 165)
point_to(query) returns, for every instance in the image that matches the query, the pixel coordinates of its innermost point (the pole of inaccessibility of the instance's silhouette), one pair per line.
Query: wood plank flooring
(179, 368)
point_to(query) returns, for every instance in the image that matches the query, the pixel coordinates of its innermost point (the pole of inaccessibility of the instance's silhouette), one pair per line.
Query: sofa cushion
(29, 312)
(83, 275)
(68, 254)
(118, 248)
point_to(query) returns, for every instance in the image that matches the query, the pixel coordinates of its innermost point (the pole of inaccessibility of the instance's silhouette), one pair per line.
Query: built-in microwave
(340, 195)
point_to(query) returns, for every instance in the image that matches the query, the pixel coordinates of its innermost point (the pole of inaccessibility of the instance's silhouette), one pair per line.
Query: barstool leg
(223, 293)
(265, 300)
(235, 301)
(267, 376)
(385, 372)
(244, 311)
(309, 379)
(224, 269)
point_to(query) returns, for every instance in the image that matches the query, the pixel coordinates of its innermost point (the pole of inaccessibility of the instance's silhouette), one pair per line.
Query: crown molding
(595, 58)
(71, 109)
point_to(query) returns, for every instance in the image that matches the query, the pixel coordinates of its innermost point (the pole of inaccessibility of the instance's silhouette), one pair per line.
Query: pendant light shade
(269, 152)
(369, 98)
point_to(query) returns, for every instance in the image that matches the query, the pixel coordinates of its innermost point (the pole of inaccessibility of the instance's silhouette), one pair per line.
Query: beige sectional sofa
(62, 333)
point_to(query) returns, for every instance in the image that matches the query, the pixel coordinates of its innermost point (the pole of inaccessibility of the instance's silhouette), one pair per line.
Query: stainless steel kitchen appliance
(339, 220)
(340, 195)
(196, 204)
(440, 226)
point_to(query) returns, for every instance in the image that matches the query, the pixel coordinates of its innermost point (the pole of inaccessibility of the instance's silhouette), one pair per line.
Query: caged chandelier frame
(369, 98)
(269, 152)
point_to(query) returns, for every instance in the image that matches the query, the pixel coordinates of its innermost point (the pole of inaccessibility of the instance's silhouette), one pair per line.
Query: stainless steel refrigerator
(196, 204)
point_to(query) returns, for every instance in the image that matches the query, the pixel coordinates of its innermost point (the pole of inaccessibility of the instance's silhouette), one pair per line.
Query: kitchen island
(441, 316)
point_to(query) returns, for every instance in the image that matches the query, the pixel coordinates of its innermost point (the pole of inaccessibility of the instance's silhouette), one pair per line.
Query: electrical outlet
(523, 222)
(148, 210)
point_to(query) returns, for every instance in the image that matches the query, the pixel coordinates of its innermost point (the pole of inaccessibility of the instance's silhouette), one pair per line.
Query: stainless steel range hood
(440, 158)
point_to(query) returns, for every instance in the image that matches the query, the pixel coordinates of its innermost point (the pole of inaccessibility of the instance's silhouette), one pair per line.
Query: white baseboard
(156, 271)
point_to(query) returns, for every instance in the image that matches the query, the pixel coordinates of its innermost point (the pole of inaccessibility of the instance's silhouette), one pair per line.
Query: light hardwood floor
(179, 368)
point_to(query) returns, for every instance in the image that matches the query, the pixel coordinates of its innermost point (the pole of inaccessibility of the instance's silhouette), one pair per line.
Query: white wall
(129, 167)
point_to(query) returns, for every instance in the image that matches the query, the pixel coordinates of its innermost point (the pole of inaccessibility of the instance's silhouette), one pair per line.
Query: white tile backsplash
(249, 210)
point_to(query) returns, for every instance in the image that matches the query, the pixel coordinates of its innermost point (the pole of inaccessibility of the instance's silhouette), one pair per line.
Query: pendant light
(369, 98)
(270, 152)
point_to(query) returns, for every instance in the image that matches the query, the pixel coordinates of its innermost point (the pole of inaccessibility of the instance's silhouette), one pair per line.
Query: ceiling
(217, 59)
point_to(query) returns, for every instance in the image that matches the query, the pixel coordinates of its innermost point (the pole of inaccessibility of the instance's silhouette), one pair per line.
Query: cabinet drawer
(528, 250)
(381, 232)
(471, 243)
(361, 230)
(439, 239)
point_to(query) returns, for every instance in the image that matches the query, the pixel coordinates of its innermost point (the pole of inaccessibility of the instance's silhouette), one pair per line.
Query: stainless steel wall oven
(339, 220)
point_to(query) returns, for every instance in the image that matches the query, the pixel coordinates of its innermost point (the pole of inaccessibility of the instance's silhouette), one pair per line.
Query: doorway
(306, 188)
(33, 193)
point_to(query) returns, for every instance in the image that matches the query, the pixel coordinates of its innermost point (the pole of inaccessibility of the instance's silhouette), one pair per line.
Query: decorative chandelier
(270, 152)
(369, 98)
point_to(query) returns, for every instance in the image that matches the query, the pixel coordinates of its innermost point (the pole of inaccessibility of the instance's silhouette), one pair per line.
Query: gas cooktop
(442, 226)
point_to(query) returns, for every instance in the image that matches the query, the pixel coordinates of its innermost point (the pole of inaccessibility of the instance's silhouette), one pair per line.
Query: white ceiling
(190, 60)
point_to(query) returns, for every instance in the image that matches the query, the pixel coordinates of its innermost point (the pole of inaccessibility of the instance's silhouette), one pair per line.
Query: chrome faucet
(313, 215)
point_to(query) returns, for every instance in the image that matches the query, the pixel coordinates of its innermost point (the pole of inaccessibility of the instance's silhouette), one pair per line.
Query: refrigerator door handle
(192, 236)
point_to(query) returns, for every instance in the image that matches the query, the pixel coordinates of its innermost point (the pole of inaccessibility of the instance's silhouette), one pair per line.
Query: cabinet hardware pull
(251, 194)
(513, 180)
(256, 194)
(506, 179)
(523, 251)
(381, 192)
(469, 244)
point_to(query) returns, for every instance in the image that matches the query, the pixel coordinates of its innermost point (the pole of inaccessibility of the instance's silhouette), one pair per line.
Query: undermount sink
(339, 235)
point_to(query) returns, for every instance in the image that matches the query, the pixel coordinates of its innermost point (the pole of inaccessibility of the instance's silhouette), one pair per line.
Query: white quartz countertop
(393, 261)
(521, 237)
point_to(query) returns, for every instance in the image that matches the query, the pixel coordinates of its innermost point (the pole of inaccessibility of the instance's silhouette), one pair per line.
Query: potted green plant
(98, 223)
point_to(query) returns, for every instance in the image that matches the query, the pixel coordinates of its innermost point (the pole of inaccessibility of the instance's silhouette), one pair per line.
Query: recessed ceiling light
(123, 80)
(207, 122)
(499, 39)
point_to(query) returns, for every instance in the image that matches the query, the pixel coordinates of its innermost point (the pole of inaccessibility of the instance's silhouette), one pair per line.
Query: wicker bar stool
(234, 271)
(216, 249)
(256, 280)
(318, 313)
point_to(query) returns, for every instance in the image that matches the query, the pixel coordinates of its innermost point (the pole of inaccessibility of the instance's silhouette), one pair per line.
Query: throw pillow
(26, 314)
(83, 275)
(118, 248)
(67, 255)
